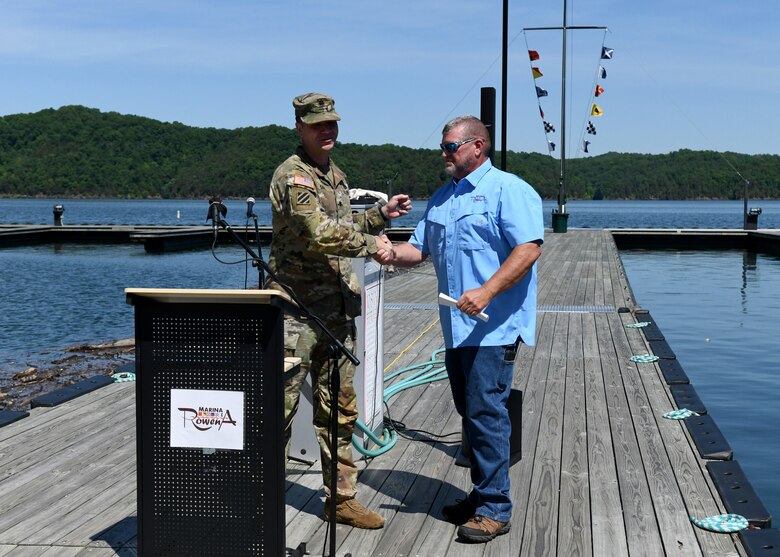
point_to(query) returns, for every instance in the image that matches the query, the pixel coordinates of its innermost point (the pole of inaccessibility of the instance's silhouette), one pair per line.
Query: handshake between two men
(397, 206)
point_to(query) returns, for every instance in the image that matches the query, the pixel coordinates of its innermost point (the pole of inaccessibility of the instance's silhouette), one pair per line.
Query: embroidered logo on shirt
(478, 198)
(303, 181)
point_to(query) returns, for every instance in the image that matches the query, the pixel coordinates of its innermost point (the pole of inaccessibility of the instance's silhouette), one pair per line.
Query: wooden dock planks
(602, 473)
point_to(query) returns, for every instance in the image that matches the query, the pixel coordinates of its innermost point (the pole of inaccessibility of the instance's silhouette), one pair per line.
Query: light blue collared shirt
(469, 229)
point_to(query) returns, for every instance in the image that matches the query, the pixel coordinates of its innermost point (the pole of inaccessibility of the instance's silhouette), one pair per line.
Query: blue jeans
(480, 379)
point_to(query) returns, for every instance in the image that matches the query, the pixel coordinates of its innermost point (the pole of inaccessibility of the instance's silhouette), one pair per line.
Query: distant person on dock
(314, 236)
(483, 231)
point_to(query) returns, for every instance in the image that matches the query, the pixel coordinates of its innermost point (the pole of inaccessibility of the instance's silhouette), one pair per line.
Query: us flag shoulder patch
(299, 180)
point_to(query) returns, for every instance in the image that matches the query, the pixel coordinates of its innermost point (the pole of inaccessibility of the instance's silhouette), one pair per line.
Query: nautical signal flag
(591, 129)
(552, 145)
(533, 55)
(606, 53)
(602, 72)
(595, 110)
(585, 145)
(548, 127)
(540, 92)
(599, 90)
(541, 112)
(536, 72)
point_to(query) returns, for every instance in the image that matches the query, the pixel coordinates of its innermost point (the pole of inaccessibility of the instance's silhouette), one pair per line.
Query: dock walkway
(602, 472)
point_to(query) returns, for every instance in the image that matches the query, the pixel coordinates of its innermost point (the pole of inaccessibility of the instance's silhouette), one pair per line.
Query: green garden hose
(428, 374)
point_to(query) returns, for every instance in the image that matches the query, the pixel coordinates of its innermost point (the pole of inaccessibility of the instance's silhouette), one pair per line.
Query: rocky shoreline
(18, 387)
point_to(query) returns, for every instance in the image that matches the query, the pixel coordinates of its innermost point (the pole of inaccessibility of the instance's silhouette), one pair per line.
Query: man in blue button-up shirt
(483, 230)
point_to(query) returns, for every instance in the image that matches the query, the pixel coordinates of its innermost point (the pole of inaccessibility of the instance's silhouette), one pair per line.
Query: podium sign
(207, 419)
(209, 422)
(369, 379)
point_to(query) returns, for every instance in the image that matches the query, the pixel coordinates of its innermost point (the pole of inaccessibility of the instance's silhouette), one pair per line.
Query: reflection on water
(749, 259)
(718, 311)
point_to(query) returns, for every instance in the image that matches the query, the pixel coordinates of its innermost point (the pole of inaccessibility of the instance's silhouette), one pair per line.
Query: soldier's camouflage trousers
(305, 341)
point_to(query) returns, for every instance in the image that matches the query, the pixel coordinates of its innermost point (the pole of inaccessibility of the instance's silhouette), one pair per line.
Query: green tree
(83, 152)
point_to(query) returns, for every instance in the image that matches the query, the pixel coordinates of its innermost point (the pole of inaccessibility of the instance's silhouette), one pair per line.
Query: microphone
(250, 202)
(216, 209)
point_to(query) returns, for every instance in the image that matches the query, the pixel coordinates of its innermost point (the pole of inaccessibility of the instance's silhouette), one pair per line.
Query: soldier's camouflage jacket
(315, 235)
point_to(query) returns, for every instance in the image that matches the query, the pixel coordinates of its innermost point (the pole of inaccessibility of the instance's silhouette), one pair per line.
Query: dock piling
(58, 210)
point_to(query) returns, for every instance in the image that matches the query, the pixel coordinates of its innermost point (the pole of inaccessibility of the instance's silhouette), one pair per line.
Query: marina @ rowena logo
(204, 418)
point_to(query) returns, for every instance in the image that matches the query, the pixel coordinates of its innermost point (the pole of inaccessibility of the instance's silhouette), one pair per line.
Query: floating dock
(154, 239)
(172, 238)
(602, 472)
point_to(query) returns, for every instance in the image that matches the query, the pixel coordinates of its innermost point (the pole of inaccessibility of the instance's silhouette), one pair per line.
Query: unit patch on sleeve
(301, 198)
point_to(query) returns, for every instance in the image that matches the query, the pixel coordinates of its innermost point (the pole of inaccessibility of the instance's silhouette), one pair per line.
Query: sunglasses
(454, 146)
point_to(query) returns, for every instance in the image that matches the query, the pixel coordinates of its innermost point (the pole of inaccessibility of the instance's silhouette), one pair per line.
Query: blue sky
(693, 74)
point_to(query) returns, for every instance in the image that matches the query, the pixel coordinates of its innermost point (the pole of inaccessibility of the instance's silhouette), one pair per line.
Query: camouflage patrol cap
(312, 108)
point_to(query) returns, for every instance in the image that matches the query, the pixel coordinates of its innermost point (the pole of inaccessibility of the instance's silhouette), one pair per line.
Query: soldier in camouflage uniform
(314, 236)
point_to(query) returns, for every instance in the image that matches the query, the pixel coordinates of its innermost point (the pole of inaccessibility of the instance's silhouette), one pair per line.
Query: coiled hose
(427, 374)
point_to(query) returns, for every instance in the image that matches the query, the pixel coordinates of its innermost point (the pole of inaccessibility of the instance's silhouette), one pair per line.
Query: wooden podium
(210, 421)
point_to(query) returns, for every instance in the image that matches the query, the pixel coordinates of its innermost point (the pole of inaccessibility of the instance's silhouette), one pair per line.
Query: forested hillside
(81, 152)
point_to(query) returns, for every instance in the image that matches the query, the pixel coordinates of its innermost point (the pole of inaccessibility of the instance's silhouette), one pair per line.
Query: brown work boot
(352, 513)
(481, 529)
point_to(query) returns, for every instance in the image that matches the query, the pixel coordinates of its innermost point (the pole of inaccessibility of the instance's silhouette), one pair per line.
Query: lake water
(583, 214)
(716, 309)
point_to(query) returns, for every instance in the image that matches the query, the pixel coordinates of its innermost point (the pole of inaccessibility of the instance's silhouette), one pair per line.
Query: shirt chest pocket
(473, 229)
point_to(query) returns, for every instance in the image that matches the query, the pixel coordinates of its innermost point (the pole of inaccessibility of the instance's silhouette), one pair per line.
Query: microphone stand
(260, 268)
(335, 348)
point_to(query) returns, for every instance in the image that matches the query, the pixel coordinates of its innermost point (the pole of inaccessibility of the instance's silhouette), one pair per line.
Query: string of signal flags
(595, 110)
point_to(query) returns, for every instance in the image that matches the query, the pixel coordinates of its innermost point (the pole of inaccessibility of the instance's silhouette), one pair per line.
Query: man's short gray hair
(472, 126)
